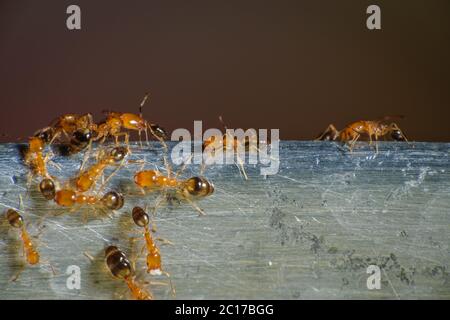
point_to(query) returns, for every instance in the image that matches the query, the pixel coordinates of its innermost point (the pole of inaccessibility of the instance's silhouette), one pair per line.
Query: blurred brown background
(293, 65)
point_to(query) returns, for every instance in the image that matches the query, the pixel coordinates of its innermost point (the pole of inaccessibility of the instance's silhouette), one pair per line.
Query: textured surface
(308, 232)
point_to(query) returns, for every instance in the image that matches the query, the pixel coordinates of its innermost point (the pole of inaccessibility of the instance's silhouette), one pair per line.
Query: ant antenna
(223, 123)
(143, 102)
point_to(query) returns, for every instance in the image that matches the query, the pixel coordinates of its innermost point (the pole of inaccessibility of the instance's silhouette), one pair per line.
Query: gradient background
(293, 65)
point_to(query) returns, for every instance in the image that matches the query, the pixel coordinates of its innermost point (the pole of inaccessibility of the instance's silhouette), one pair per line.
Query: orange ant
(87, 178)
(34, 157)
(141, 219)
(121, 268)
(116, 121)
(352, 132)
(230, 143)
(69, 198)
(188, 190)
(16, 220)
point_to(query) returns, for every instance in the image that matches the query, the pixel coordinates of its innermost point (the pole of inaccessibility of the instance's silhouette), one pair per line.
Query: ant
(16, 220)
(141, 219)
(87, 178)
(188, 190)
(116, 121)
(112, 200)
(34, 157)
(66, 125)
(352, 132)
(121, 268)
(68, 198)
(230, 143)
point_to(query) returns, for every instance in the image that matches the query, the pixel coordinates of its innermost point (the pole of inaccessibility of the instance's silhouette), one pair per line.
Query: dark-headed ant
(373, 129)
(115, 122)
(16, 220)
(121, 268)
(189, 190)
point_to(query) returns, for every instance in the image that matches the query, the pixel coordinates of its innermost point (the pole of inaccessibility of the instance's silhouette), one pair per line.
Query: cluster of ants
(76, 133)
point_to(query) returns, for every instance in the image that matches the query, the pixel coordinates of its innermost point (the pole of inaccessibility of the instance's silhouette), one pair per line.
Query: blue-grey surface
(308, 232)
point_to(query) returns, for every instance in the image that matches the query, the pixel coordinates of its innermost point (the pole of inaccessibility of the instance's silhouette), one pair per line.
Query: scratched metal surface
(308, 232)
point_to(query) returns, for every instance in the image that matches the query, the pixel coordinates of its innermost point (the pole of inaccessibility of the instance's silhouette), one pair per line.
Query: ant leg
(165, 241)
(353, 142)
(376, 143)
(196, 207)
(172, 288)
(18, 273)
(146, 136)
(89, 256)
(86, 157)
(105, 182)
(241, 166)
(158, 202)
(165, 150)
(140, 138)
(185, 163)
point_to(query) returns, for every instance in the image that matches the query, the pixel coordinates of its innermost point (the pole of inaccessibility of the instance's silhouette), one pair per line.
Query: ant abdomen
(198, 187)
(14, 218)
(47, 188)
(118, 263)
(140, 217)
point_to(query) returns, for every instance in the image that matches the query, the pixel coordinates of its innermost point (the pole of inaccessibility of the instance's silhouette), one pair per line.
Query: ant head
(118, 263)
(199, 187)
(82, 135)
(14, 218)
(158, 131)
(113, 200)
(47, 188)
(397, 135)
(119, 153)
(46, 134)
(140, 217)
